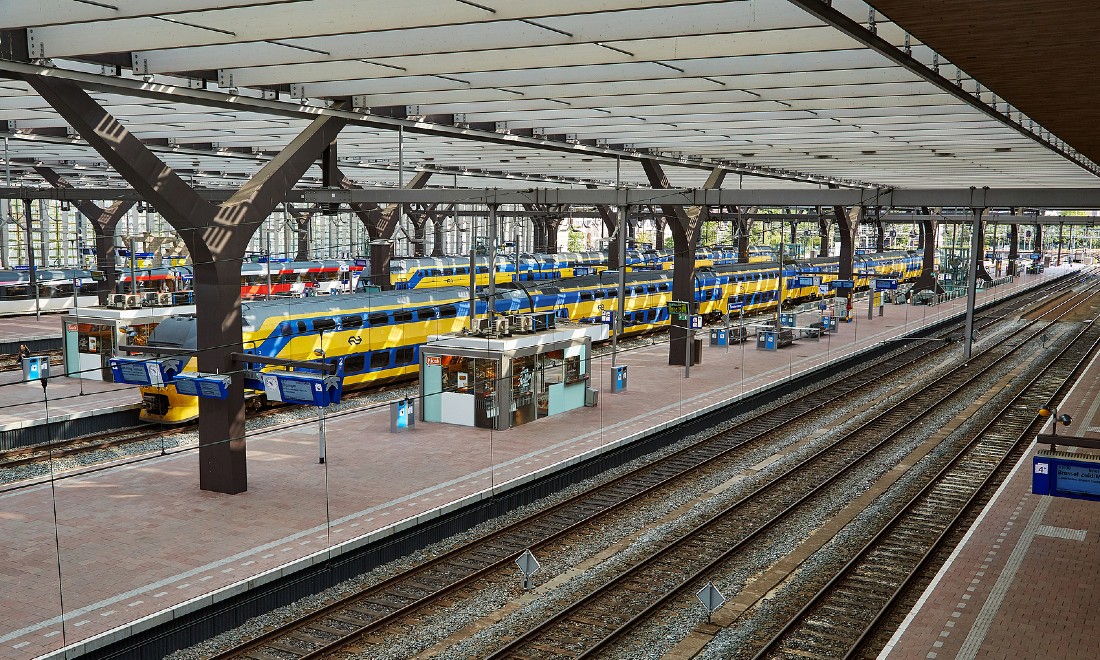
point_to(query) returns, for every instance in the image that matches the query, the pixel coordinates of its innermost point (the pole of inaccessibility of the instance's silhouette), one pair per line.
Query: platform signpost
(528, 565)
(678, 310)
(711, 599)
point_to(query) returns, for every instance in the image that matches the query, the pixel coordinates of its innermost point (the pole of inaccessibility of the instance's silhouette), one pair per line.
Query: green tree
(576, 242)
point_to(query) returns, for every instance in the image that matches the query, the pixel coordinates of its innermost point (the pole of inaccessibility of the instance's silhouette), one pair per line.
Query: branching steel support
(104, 222)
(686, 225)
(217, 237)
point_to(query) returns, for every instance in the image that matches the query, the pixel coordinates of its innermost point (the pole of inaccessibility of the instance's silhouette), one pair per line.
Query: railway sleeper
(350, 620)
(260, 654)
(824, 632)
(596, 623)
(288, 648)
(839, 607)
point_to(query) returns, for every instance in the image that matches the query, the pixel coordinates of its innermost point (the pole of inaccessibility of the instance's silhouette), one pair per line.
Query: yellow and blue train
(430, 272)
(378, 334)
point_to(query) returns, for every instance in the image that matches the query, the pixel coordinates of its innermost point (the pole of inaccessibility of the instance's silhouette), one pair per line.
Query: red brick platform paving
(140, 543)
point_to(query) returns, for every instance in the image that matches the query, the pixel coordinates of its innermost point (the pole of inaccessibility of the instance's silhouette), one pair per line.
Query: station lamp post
(1050, 411)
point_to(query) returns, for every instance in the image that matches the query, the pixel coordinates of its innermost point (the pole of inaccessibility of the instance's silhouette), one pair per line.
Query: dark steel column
(610, 223)
(927, 279)
(104, 222)
(437, 228)
(977, 253)
(686, 225)
(302, 219)
(553, 224)
(1013, 244)
(744, 229)
(217, 237)
(823, 234)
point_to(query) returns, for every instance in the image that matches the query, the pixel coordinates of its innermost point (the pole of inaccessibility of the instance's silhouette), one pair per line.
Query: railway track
(594, 622)
(366, 616)
(844, 616)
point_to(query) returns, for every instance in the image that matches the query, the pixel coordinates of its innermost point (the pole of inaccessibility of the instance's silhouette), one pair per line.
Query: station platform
(139, 544)
(39, 334)
(76, 407)
(1023, 582)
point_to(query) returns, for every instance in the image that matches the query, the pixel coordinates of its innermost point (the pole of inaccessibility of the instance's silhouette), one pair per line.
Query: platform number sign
(678, 310)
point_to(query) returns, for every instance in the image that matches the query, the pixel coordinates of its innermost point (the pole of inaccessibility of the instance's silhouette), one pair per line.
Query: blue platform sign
(696, 321)
(842, 284)
(1059, 477)
(302, 387)
(606, 317)
(735, 306)
(805, 281)
(885, 285)
(145, 371)
(208, 386)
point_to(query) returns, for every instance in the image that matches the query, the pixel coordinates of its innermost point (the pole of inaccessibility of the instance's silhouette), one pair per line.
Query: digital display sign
(1078, 479)
(186, 386)
(134, 373)
(210, 389)
(297, 391)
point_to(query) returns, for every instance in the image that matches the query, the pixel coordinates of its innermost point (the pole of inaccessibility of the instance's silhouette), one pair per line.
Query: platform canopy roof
(503, 92)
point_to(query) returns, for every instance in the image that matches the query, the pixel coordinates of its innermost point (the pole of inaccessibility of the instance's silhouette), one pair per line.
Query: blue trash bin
(36, 367)
(618, 380)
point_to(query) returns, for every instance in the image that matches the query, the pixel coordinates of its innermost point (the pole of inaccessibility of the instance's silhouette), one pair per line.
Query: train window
(483, 269)
(599, 293)
(462, 271)
(403, 316)
(587, 295)
(301, 327)
(447, 272)
(324, 324)
(434, 272)
(652, 288)
(354, 321)
(354, 363)
(378, 318)
(447, 311)
(379, 359)
(425, 314)
(286, 329)
(404, 355)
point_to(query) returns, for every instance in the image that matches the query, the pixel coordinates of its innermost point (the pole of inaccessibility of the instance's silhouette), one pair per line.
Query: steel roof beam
(180, 94)
(1044, 198)
(837, 19)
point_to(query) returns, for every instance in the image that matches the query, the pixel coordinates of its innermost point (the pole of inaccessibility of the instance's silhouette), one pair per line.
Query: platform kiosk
(501, 382)
(92, 336)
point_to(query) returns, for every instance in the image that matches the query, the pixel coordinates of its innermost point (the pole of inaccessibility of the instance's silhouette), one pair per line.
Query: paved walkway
(140, 543)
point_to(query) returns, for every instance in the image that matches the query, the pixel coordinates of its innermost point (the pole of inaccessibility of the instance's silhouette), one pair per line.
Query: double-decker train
(378, 334)
(55, 289)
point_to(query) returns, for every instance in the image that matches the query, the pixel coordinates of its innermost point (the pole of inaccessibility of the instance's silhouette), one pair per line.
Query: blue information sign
(735, 306)
(1059, 477)
(883, 285)
(696, 321)
(805, 281)
(842, 284)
